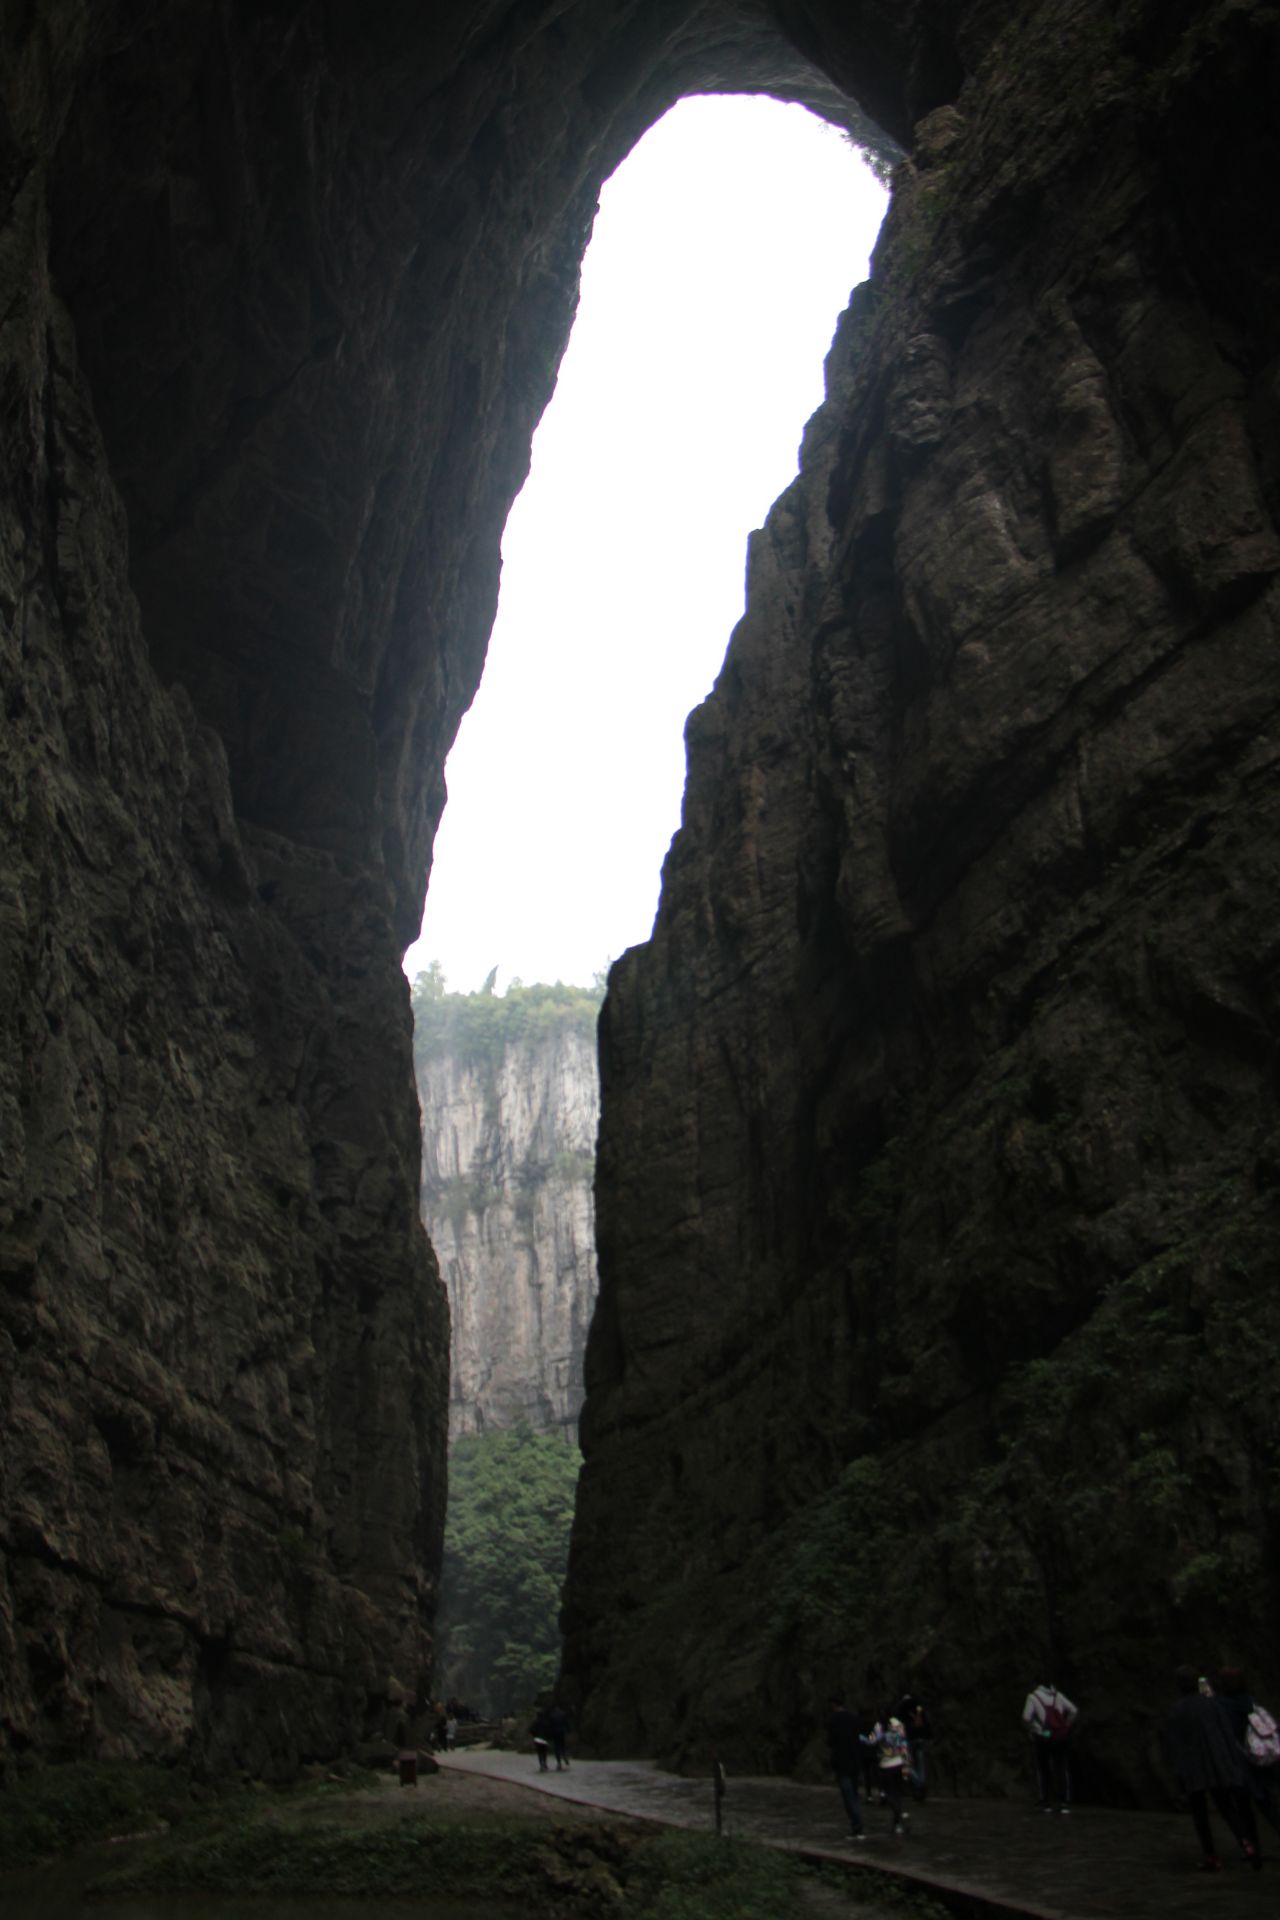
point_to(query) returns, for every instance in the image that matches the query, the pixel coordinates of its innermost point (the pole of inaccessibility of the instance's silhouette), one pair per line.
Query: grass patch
(56, 1809)
(339, 1839)
(692, 1876)
(400, 1858)
(589, 1871)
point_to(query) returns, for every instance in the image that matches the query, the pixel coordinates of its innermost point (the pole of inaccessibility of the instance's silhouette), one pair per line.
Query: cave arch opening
(726, 248)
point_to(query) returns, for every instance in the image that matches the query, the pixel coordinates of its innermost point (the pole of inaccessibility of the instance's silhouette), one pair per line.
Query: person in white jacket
(1049, 1717)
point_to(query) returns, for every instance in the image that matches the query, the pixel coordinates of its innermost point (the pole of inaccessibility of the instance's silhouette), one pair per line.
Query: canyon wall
(939, 1148)
(939, 1158)
(283, 291)
(510, 1099)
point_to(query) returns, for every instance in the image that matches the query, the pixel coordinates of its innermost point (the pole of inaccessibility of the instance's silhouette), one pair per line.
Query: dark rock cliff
(974, 885)
(283, 290)
(937, 1193)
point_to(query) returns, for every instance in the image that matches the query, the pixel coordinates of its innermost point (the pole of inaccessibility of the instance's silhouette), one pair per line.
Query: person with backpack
(1206, 1759)
(1049, 1717)
(1258, 1738)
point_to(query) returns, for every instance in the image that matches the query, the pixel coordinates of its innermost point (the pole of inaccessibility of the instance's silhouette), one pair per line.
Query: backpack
(1058, 1721)
(1262, 1739)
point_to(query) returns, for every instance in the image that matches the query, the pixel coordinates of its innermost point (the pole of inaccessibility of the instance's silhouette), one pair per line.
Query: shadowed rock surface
(282, 294)
(952, 1055)
(937, 1187)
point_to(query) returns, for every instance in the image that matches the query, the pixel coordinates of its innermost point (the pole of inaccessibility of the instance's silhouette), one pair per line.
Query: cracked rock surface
(282, 294)
(937, 1188)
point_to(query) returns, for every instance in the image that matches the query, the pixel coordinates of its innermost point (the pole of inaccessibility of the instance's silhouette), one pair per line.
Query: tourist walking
(1258, 1738)
(894, 1766)
(1205, 1759)
(1049, 1716)
(846, 1759)
(542, 1739)
(870, 1771)
(558, 1722)
(919, 1734)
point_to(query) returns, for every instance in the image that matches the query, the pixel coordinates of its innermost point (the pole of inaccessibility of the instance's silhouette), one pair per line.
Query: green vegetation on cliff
(479, 1028)
(506, 1550)
(1091, 1468)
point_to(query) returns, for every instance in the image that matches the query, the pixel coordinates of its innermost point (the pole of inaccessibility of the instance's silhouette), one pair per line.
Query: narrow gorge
(936, 1201)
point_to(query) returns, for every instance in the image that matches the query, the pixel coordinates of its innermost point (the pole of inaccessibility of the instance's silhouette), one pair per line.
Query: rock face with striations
(282, 295)
(936, 1199)
(939, 1161)
(510, 1098)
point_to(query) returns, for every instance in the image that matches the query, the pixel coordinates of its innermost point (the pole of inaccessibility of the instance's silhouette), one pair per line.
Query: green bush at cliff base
(54, 1809)
(688, 1876)
(583, 1871)
(403, 1858)
(1088, 1463)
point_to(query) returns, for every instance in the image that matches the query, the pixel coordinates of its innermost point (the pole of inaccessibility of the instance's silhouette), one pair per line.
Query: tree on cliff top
(480, 1027)
(506, 1551)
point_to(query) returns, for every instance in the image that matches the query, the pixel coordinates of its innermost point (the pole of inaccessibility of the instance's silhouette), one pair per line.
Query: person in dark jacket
(846, 1760)
(1232, 1690)
(866, 1724)
(1206, 1759)
(558, 1722)
(915, 1719)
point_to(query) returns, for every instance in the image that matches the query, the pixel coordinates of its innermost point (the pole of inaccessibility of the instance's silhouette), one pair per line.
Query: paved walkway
(983, 1858)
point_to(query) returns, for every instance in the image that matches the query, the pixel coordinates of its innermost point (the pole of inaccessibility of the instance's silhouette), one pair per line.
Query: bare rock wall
(937, 1211)
(508, 1166)
(221, 1340)
(283, 291)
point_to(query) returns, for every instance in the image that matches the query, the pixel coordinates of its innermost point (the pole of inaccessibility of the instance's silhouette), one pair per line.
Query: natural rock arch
(308, 274)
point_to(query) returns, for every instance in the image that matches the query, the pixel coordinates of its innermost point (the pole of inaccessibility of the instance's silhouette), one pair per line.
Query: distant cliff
(510, 1101)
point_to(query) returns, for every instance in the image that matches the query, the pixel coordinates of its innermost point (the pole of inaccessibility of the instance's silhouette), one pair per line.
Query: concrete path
(983, 1858)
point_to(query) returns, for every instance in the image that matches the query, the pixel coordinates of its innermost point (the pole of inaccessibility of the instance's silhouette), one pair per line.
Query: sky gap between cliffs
(725, 248)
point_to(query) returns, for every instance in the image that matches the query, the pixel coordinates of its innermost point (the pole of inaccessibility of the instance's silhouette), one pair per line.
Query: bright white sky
(725, 248)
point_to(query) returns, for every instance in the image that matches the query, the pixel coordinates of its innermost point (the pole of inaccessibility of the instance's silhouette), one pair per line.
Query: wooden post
(717, 1776)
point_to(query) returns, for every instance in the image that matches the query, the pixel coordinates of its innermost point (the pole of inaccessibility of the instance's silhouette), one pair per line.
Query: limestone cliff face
(508, 1160)
(282, 295)
(937, 1202)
